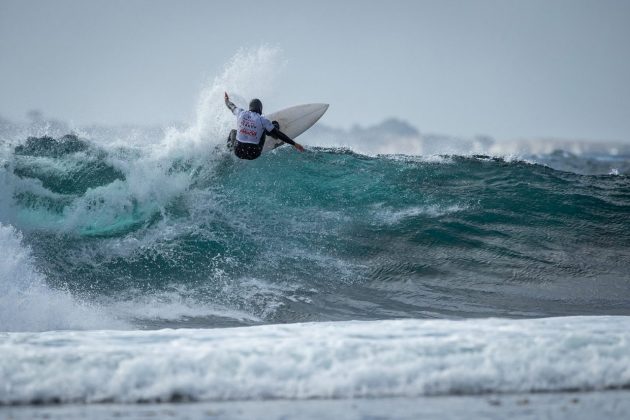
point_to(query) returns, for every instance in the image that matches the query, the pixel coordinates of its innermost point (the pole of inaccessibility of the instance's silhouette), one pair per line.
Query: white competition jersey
(251, 126)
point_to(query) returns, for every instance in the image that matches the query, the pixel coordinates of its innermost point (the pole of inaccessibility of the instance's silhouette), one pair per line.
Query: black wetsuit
(251, 151)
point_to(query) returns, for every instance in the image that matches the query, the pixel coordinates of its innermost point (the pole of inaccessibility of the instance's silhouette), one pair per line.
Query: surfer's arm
(277, 134)
(229, 103)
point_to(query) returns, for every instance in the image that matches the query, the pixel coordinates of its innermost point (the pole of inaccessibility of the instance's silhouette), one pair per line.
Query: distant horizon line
(37, 116)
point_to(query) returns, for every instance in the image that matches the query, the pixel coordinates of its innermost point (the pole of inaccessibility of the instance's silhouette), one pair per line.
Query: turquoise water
(205, 240)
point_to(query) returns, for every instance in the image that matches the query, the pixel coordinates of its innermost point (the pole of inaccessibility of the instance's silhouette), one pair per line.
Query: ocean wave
(323, 360)
(374, 236)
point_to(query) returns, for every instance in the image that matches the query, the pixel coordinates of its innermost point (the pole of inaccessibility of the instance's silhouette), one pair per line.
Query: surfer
(252, 128)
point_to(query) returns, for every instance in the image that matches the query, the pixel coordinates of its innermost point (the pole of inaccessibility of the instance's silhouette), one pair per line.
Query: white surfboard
(294, 121)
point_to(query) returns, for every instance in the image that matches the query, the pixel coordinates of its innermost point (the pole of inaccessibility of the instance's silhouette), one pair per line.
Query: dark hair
(255, 105)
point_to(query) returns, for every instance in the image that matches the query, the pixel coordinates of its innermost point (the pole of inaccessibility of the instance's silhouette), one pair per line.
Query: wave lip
(321, 360)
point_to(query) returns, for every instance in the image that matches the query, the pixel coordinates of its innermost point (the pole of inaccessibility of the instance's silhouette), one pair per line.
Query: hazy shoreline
(569, 405)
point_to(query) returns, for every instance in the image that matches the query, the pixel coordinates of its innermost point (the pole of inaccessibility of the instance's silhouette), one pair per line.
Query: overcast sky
(507, 68)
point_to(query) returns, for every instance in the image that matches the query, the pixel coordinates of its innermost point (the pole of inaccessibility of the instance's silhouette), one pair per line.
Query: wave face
(188, 236)
(393, 358)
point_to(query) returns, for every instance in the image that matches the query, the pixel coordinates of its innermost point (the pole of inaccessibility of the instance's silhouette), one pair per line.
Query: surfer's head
(255, 105)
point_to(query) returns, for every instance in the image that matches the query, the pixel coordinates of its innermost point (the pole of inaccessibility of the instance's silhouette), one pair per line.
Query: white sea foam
(27, 304)
(390, 216)
(320, 360)
(441, 159)
(173, 305)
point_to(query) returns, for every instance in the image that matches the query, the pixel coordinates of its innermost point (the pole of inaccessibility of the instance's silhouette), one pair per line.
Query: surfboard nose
(319, 110)
(297, 119)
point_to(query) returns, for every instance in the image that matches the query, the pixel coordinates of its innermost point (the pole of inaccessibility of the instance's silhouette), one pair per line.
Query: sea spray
(249, 74)
(28, 304)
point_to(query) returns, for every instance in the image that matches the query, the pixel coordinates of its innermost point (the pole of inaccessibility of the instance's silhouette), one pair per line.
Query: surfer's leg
(231, 140)
(247, 151)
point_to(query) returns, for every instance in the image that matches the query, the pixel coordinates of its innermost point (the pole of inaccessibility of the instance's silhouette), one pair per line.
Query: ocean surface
(129, 257)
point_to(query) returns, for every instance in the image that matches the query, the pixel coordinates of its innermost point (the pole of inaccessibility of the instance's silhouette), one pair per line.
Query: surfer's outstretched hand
(298, 147)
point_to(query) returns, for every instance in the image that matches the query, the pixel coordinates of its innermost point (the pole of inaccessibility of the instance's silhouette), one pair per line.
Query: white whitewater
(318, 360)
